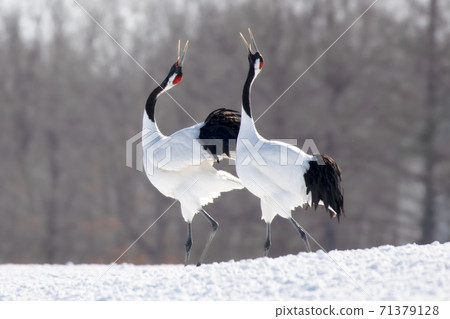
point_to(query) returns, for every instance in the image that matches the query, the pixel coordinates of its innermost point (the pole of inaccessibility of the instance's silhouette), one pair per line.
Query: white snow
(409, 272)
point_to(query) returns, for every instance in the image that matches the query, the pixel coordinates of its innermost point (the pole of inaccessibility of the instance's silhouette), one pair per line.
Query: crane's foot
(302, 234)
(214, 227)
(188, 245)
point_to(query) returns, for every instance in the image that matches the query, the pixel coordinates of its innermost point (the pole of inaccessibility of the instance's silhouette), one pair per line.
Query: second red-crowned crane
(282, 175)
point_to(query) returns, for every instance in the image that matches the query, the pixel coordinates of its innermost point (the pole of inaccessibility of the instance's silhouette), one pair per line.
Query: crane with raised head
(180, 166)
(282, 175)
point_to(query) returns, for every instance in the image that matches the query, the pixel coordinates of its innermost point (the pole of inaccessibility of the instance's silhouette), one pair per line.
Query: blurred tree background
(378, 102)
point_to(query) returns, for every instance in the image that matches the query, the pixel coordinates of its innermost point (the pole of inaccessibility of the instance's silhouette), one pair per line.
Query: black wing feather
(221, 124)
(324, 183)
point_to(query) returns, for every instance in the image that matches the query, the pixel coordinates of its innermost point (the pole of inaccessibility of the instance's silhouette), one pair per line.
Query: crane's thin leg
(188, 243)
(214, 225)
(267, 244)
(302, 233)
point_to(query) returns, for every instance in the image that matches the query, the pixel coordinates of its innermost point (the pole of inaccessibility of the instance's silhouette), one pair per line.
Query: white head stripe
(257, 63)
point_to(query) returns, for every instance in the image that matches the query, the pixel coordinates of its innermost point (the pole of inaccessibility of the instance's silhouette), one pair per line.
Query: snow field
(410, 272)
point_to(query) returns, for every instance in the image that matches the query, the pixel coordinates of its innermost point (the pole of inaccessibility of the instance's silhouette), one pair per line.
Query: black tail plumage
(221, 124)
(324, 183)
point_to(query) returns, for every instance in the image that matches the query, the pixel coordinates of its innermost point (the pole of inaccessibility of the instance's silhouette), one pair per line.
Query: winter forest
(378, 102)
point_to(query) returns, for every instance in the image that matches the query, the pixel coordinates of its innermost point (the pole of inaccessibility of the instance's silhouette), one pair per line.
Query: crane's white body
(271, 170)
(179, 167)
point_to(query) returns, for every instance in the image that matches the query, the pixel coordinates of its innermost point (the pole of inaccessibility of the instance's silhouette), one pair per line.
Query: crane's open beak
(180, 59)
(252, 48)
(246, 43)
(253, 40)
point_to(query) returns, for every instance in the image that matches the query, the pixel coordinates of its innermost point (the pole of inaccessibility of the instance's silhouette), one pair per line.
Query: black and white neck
(247, 123)
(149, 114)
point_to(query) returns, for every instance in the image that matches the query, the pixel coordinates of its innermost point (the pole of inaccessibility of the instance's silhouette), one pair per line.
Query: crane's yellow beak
(246, 43)
(253, 40)
(252, 48)
(180, 59)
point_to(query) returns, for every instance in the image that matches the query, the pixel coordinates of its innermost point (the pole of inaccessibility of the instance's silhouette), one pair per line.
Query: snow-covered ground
(409, 272)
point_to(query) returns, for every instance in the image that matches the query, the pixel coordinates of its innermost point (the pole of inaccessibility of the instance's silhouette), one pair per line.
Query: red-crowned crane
(282, 175)
(180, 166)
